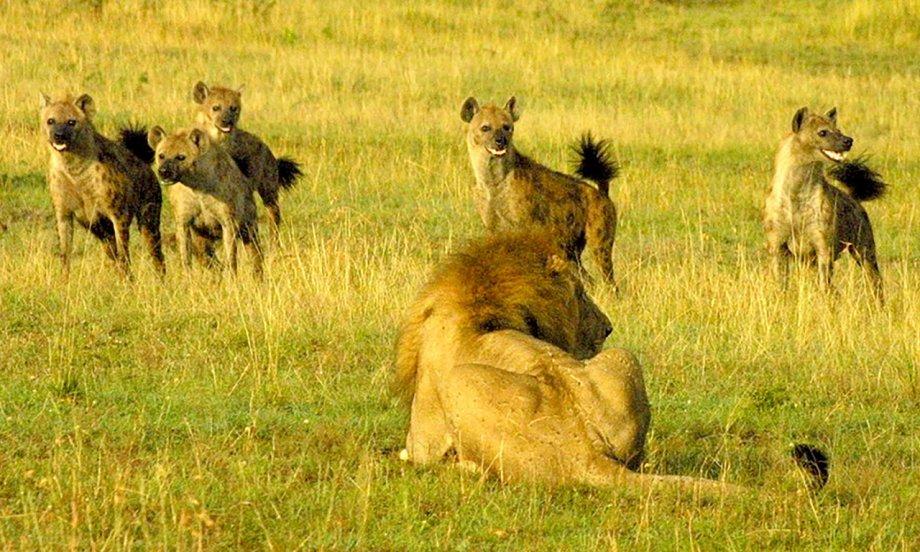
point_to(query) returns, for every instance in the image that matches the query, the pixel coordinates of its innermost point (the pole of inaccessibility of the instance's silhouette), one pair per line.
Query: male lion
(489, 359)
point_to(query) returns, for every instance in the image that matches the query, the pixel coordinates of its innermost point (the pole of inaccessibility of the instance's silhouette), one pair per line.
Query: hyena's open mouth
(496, 152)
(59, 146)
(225, 129)
(834, 156)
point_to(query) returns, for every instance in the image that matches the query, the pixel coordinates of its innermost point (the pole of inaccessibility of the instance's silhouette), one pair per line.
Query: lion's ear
(155, 136)
(86, 104)
(469, 109)
(556, 265)
(200, 92)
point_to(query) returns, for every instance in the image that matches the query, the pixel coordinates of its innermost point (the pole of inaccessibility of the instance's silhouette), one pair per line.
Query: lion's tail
(595, 162)
(288, 172)
(134, 138)
(861, 182)
(810, 459)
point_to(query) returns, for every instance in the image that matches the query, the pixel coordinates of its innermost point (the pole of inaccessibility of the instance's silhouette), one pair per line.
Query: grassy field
(217, 414)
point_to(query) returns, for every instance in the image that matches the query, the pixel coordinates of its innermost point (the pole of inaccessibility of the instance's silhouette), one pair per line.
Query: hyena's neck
(216, 135)
(79, 156)
(491, 170)
(202, 178)
(796, 172)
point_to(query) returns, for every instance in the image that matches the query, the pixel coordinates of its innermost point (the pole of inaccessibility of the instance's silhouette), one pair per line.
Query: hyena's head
(66, 122)
(176, 153)
(818, 135)
(218, 106)
(491, 128)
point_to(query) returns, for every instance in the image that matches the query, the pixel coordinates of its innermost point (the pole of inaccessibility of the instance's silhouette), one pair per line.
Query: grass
(218, 414)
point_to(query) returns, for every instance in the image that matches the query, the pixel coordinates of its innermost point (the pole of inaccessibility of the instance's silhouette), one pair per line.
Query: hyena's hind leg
(249, 235)
(863, 252)
(104, 231)
(149, 223)
(269, 197)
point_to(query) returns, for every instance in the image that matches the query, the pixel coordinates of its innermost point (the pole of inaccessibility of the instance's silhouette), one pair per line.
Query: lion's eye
(822, 133)
(71, 122)
(50, 121)
(485, 128)
(215, 108)
(180, 157)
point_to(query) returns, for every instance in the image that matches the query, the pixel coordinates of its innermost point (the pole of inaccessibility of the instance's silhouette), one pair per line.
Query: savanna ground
(232, 414)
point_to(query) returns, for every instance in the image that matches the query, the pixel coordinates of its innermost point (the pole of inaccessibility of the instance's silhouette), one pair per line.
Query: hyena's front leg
(184, 243)
(779, 257)
(228, 233)
(825, 257)
(122, 245)
(65, 238)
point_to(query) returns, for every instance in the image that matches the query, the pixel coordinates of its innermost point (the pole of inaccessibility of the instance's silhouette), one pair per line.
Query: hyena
(514, 192)
(809, 219)
(99, 183)
(210, 196)
(218, 114)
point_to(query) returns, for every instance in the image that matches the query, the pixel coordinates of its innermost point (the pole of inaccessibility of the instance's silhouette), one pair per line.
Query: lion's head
(516, 282)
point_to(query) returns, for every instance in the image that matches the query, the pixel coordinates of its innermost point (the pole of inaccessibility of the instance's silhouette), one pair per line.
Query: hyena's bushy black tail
(814, 462)
(288, 172)
(595, 162)
(134, 138)
(862, 183)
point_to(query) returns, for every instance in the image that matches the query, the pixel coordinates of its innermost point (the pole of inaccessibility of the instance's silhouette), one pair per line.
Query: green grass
(227, 414)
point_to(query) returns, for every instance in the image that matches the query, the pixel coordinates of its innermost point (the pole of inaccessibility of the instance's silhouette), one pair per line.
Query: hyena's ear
(44, 100)
(512, 108)
(200, 92)
(240, 89)
(155, 136)
(556, 265)
(832, 115)
(86, 105)
(469, 109)
(198, 137)
(799, 118)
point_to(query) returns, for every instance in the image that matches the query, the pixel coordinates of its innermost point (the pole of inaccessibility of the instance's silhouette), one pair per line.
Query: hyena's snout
(169, 171)
(62, 134)
(502, 140)
(847, 142)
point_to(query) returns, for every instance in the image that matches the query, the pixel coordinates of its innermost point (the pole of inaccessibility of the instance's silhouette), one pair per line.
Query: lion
(500, 362)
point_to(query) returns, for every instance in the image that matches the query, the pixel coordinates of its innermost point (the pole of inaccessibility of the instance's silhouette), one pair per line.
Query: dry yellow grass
(224, 413)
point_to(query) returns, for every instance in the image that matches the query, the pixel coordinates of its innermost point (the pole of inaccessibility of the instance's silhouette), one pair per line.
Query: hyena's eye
(162, 156)
(233, 109)
(215, 108)
(485, 128)
(507, 128)
(822, 133)
(71, 122)
(180, 157)
(50, 121)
